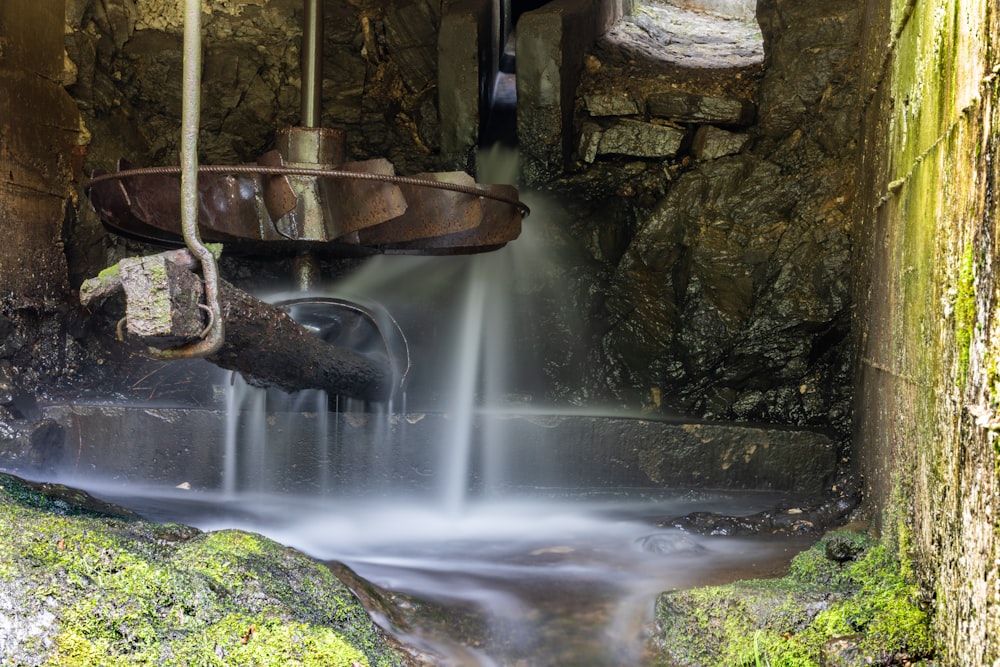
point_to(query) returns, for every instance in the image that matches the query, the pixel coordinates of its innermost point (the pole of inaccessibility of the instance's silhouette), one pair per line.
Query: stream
(482, 543)
(543, 578)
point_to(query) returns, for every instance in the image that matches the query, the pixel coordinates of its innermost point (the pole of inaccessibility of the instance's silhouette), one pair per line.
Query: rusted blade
(354, 204)
(345, 215)
(111, 202)
(150, 205)
(430, 211)
(501, 224)
(279, 197)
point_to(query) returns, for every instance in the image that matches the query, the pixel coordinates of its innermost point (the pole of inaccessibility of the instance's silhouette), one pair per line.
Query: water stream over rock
(552, 577)
(481, 524)
(486, 529)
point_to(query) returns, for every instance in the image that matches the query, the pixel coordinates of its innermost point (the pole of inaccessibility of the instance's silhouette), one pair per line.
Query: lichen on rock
(847, 598)
(86, 584)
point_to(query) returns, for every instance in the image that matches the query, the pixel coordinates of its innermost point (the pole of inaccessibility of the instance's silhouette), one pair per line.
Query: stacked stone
(662, 124)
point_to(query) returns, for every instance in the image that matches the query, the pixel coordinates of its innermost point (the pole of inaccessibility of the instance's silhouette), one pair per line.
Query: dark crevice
(501, 118)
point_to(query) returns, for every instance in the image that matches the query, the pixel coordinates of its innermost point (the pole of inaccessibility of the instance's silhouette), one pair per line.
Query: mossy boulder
(82, 583)
(846, 601)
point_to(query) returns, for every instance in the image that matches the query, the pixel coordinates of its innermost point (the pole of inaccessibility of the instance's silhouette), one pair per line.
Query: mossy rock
(843, 602)
(85, 583)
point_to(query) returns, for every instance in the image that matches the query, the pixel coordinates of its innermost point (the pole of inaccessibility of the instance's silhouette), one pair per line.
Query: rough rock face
(729, 291)
(705, 216)
(379, 77)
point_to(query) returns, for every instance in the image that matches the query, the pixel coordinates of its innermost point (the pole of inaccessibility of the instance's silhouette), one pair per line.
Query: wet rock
(843, 547)
(630, 137)
(810, 519)
(83, 585)
(31, 446)
(6, 383)
(732, 295)
(670, 544)
(688, 107)
(711, 142)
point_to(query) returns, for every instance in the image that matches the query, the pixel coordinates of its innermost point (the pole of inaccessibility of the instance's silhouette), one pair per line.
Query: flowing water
(478, 566)
(540, 578)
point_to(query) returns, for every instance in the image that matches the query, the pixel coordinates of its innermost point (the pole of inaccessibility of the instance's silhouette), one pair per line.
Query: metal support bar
(312, 63)
(213, 335)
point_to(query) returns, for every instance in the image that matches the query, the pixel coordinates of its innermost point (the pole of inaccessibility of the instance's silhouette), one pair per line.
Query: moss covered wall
(925, 425)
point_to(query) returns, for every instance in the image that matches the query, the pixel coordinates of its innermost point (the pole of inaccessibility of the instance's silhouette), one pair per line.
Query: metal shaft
(190, 121)
(312, 63)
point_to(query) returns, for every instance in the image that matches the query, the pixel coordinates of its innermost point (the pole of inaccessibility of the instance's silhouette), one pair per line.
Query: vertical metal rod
(312, 63)
(213, 335)
(307, 266)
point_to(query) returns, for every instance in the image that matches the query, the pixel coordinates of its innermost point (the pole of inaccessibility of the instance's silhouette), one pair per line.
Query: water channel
(473, 540)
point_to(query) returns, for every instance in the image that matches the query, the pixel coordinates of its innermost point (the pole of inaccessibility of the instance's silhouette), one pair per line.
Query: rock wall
(926, 315)
(707, 222)
(731, 294)
(379, 65)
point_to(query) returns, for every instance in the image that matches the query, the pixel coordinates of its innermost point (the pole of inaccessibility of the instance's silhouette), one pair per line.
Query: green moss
(882, 611)
(787, 621)
(111, 272)
(233, 641)
(239, 639)
(965, 316)
(127, 592)
(159, 308)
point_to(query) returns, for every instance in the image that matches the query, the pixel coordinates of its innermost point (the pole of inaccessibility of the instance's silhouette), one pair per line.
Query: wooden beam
(262, 341)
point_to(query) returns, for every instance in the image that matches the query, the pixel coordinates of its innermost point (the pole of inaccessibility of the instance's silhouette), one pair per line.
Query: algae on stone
(79, 586)
(845, 589)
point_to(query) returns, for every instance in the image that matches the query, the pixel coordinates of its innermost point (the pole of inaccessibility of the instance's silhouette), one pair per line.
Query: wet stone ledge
(175, 446)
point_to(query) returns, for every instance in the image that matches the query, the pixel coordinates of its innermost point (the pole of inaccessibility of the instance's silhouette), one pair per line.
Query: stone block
(464, 56)
(630, 137)
(554, 451)
(711, 142)
(689, 107)
(590, 141)
(161, 299)
(610, 103)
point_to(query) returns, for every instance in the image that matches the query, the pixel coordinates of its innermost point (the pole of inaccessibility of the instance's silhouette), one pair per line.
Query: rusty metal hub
(304, 195)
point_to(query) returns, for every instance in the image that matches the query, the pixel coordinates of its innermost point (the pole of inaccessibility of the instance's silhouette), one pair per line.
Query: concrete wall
(38, 129)
(927, 315)
(39, 132)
